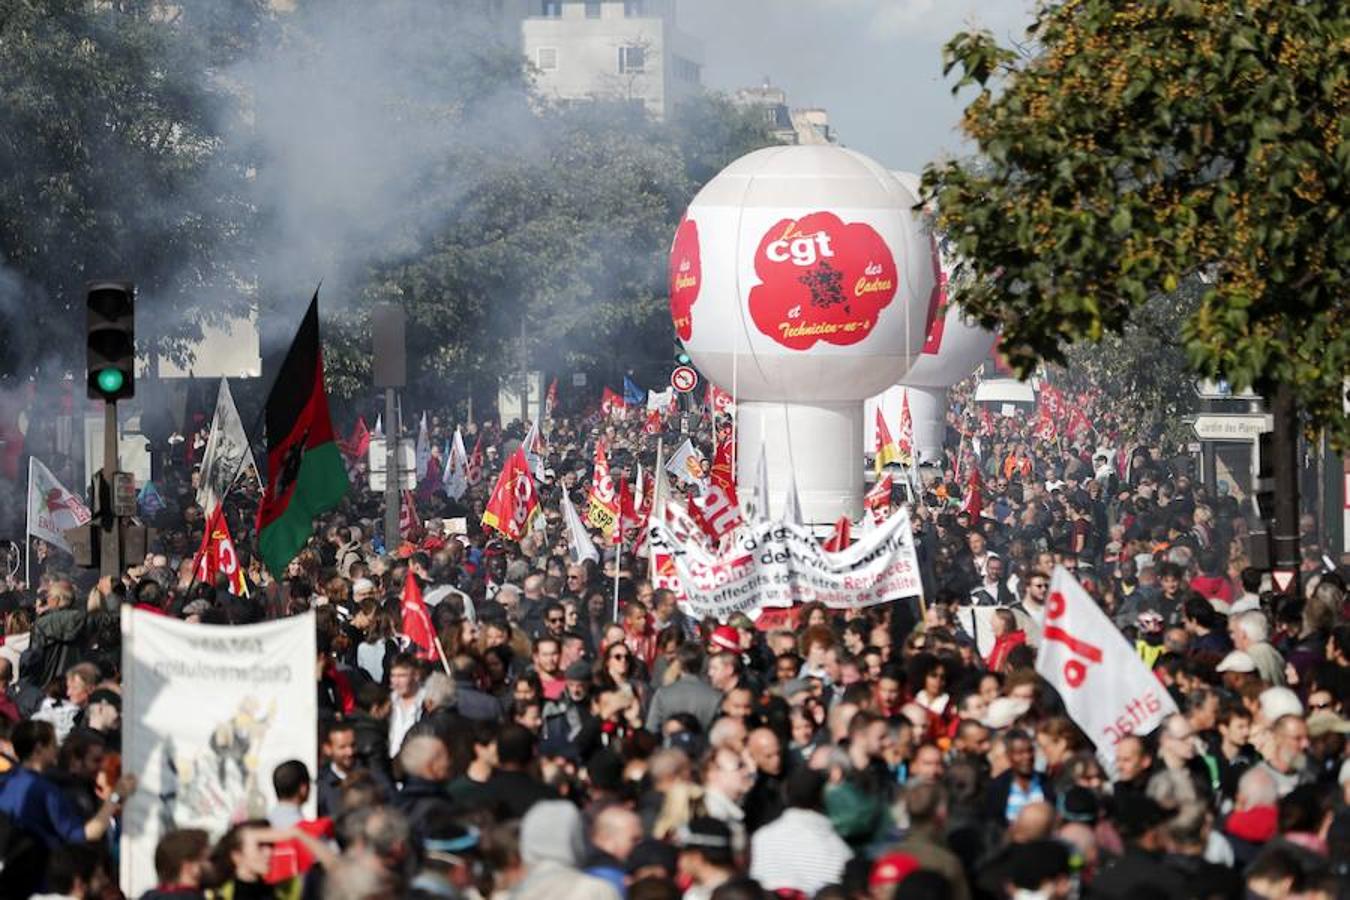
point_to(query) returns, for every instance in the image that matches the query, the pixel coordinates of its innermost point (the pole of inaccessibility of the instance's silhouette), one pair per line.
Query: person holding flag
(514, 504)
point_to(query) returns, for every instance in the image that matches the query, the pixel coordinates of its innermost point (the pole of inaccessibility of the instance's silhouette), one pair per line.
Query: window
(632, 9)
(632, 60)
(553, 9)
(547, 58)
(592, 9)
(686, 70)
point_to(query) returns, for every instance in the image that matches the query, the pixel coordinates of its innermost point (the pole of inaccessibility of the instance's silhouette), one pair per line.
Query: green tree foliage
(1135, 145)
(108, 148)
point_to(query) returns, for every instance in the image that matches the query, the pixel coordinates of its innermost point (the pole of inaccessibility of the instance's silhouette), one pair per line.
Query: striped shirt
(798, 850)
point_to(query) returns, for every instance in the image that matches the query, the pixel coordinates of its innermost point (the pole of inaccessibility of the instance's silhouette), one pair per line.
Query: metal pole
(1284, 529)
(524, 378)
(392, 433)
(109, 545)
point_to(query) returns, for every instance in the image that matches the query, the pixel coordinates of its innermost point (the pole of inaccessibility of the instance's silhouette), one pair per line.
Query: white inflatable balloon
(800, 280)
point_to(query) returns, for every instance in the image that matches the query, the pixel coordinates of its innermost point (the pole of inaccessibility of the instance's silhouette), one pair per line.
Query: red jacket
(1002, 647)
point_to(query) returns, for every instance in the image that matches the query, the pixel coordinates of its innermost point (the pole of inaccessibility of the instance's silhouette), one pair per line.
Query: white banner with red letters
(208, 711)
(1107, 690)
(780, 564)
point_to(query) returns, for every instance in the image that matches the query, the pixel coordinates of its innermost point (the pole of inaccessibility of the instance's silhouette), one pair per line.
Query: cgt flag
(1107, 689)
(602, 508)
(217, 555)
(417, 621)
(305, 472)
(514, 502)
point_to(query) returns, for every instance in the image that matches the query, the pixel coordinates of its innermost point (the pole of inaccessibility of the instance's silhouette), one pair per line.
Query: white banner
(208, 711)
(661, 401)
(687, 465)
(456, 478)
(227, 451)
(51, 508)
(778, 564)
(1107, 689)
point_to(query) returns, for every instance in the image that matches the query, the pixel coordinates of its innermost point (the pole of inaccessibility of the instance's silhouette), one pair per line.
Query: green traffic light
(110, 380)
(683, 359)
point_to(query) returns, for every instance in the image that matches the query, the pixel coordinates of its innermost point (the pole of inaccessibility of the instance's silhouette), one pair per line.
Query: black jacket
(996, 795)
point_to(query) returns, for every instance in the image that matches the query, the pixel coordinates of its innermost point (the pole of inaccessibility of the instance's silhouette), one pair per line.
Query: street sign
(1206, 389)
(1236, 427)
(1283, 579)
(407, 464)
(124, 494)
(683, 379)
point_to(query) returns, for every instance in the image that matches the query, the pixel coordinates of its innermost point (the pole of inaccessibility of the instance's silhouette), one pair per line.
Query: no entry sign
(683, 379)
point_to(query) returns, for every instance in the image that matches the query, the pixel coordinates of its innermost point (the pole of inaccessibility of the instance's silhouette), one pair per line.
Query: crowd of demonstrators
(568, 746)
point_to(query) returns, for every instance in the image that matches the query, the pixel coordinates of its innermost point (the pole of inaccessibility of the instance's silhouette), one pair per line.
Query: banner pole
(28, 531)
(440, 651)
(618, 560)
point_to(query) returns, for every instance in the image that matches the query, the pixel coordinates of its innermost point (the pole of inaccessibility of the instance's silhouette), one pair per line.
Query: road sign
(683, 379)
(1283, 579)
(124, 494)
(1222, 390)
(1237, 427)
(407, 464)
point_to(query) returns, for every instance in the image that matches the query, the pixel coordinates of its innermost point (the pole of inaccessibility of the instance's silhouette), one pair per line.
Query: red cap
(892, 868)
(724, 637)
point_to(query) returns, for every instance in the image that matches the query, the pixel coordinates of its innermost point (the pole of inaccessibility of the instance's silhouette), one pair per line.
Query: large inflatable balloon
(953, 348)
(800, 281)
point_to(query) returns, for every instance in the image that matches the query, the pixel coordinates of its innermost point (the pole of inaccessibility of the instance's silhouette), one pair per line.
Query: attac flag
(906, 444)
(227, 452)
(841, 537)
(632, 394)
(611, 404)
(515, 501)
(456, 468)
(602, 508)
(887, 453)
(218, 556)
(474, 471)
(578, 538)
(417, 621)
(305, 472)
(52, 510)
(687, 465)
(1107, 690)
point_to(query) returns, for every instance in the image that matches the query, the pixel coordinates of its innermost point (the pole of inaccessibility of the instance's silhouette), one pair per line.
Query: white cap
(1277, 702)
(1244, 604)
(1003, 711)
(1237, 661)
(362, 584)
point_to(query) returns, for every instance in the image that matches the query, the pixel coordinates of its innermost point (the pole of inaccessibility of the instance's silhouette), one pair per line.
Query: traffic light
(110, 338)
(681, 357)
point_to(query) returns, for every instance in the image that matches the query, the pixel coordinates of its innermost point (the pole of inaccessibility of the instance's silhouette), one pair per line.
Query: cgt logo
(800, 249)
(821, 279)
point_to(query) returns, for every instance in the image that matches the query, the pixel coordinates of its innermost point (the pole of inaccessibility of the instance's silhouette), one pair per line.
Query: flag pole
(440, 651)
(618, 557)
(28, 531)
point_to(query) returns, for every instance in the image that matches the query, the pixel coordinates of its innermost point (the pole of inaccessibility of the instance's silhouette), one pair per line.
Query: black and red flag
(305, 472)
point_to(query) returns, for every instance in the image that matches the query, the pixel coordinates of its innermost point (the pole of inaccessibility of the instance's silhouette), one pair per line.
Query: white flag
(51, 508)
(660, 485)
(758, 501)
(534, 451)
(456, 480)
(661, 401)
(1107, 690)
(423, 448)
(577, 535)
(227, 452)
(687, 465)
(379, 426)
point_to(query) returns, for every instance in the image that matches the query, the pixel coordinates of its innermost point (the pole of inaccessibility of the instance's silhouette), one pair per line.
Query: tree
(1136, 145)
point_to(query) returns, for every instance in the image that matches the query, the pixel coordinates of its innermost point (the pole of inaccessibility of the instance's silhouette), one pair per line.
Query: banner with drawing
(778, 564)
(208, 711)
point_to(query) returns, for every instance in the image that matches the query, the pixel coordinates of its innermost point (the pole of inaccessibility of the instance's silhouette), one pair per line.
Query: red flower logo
(686, 275)
(821, 280)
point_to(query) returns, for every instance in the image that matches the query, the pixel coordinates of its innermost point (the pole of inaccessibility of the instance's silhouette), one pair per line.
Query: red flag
(1045, 426)
(551, 399)
(841, 537)
(603, 509)
(878, 499)
(886, 452)
(217, 554)
(409, 525)
(612, 404)
(1078, 423)
(906, 434)
(357, 446)
(416, 620)
(653, 424)
(986, 422)
(718, 400)
(515, 500)
(973, 502)
(473, 472)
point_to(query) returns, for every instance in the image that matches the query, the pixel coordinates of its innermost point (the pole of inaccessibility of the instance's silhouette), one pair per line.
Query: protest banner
(780, 564)
(208, 712)
(1107, 689)
(52, 509)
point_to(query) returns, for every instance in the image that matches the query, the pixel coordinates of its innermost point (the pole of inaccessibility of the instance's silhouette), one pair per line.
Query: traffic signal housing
(110, 340)
(681, 357)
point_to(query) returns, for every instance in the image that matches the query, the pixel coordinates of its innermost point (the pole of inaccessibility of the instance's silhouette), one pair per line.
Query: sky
(874, 65)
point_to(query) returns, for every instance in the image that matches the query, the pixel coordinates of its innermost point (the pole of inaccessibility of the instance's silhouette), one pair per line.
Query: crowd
(568, 747)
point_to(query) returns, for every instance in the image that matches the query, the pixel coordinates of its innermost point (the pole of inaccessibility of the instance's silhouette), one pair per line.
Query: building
(613, 50)
(806, 125)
